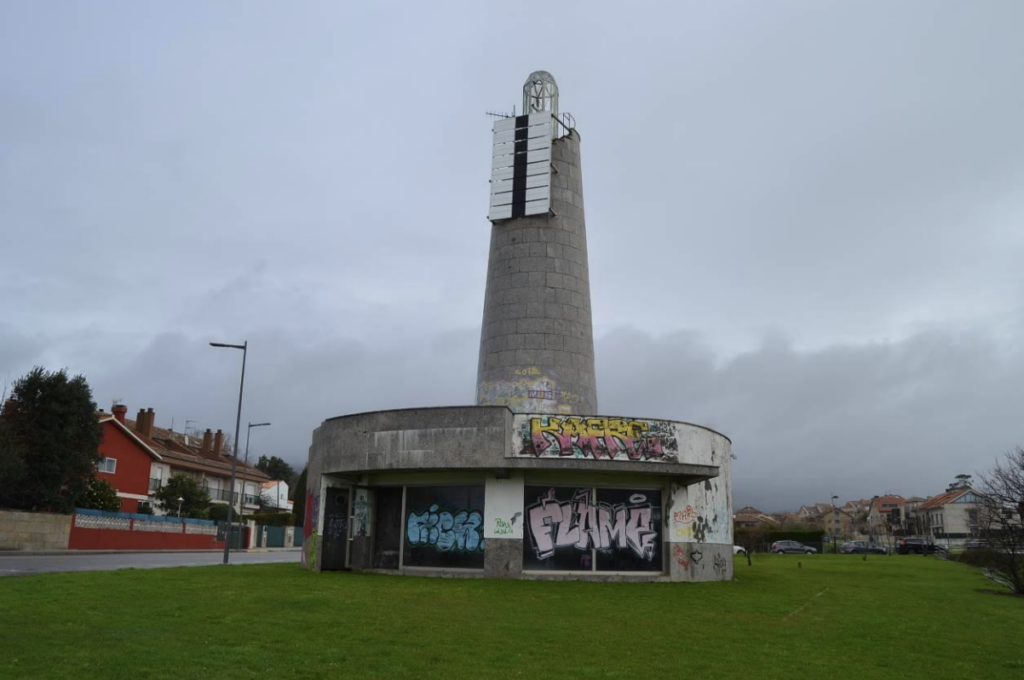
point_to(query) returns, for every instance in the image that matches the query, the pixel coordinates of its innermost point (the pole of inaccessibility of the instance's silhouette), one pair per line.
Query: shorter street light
(180, 501)
(835, 521)
(245, 465)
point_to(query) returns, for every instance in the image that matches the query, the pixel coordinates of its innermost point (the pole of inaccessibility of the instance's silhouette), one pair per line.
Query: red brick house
(139, 457)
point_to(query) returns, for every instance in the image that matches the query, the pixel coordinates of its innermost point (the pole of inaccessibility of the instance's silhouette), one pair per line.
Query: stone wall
(34, 530)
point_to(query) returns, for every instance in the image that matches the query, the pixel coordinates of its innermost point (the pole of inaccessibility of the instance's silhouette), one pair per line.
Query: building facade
(139, 458)
(530, 482)
(479, 490)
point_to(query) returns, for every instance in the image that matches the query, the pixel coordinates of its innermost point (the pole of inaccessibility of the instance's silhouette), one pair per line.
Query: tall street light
(835, 518)
(245, 465)
(238, 425)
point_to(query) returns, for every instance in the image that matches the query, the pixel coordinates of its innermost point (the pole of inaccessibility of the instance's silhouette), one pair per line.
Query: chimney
(144, 422)
(207, 442)
(218, 440)
(119, 411)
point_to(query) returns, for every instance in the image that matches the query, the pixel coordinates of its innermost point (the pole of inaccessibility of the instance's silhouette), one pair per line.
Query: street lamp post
(180, 500)
(245, 465)
(238, 425)
(835, 518)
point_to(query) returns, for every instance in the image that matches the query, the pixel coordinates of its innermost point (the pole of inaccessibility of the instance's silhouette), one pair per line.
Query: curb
(43, 553)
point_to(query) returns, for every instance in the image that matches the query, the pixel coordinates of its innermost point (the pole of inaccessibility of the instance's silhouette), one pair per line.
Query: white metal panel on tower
(521, 166)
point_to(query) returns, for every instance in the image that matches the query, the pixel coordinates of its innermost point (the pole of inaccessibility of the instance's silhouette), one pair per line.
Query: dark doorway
(335, 547)
(387, 528)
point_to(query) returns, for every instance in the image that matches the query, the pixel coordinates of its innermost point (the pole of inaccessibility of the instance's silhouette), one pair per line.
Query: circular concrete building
(528, 483)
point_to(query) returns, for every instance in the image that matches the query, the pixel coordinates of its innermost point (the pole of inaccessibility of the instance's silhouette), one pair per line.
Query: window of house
(108, 465)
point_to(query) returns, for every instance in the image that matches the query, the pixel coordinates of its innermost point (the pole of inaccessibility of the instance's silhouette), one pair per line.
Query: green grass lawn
(837, 617)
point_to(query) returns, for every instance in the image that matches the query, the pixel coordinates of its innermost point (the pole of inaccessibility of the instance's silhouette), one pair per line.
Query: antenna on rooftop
(500, 114)
(186, 430)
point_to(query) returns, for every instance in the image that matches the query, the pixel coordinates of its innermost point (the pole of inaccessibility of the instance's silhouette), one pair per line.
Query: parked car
(780, 547)
(738, 550)
(918, 546)
(863, 547)
(976, 544)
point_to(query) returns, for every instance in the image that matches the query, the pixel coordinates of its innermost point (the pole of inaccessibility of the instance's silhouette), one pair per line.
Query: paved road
(11, 565)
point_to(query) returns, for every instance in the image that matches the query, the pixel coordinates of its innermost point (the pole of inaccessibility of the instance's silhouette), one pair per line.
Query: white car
(739, 550)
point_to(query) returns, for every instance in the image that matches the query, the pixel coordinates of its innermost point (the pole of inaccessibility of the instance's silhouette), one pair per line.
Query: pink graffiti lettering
(596, 437)
(687, 516)
(581, 525)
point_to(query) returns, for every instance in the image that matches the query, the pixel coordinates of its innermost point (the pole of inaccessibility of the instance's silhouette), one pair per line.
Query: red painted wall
(113, 539)
(133, 465)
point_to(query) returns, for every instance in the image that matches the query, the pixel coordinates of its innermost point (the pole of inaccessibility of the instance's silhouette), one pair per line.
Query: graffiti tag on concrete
(446, 531)
(720, 566)
(361, 515)
(502, 527)
(581, 524)
(679, 553)
(597, 437)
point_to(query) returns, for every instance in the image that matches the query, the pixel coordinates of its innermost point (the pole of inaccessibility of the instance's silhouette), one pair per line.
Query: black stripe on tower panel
(519, 184)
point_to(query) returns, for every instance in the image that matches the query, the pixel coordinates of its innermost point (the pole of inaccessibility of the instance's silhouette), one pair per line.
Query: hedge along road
(14, 564)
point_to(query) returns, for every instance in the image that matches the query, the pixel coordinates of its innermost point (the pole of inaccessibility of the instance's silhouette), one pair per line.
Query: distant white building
(275, 495)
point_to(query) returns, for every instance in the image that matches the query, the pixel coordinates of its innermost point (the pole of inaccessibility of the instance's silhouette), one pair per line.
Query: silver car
(780, 547)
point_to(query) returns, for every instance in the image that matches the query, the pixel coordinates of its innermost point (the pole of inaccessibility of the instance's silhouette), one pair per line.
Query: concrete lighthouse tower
(537, 344)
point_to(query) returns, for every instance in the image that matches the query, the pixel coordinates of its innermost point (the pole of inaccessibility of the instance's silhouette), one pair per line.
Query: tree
(49, 442)
(299, 496)
(1000, 515)
(751, 539)
(275, 468)
(962, 482)
(195, 500)
(100, 496)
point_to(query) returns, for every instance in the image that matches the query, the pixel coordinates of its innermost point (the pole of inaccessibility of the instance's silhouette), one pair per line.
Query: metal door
(334, 554)
(274, 537)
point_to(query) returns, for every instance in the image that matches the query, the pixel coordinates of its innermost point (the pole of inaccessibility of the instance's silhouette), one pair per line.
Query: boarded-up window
(444, 527)
(586, 529)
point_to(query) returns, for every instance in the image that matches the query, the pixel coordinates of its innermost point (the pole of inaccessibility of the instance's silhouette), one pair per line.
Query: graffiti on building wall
(720, 566)
(446, 531)
(683, 521)
(309, 518)
(528, 389)
(598, 437)
(687, 524)
(506, 527)
(679, 555)
(361, 514)
(581, 524)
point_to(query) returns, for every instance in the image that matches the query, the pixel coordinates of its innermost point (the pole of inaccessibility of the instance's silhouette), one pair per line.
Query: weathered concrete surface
(537, 343)
(700, 562)
(478, 437)
(504, 558)
(34, 530)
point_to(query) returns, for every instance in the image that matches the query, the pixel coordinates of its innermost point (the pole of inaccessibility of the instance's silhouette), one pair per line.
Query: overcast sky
(805, 219)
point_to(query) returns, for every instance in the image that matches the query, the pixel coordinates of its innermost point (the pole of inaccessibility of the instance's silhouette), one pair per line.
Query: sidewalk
(38, 553)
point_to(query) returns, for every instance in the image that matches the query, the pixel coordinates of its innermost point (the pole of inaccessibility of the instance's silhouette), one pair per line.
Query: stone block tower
(537, 344)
